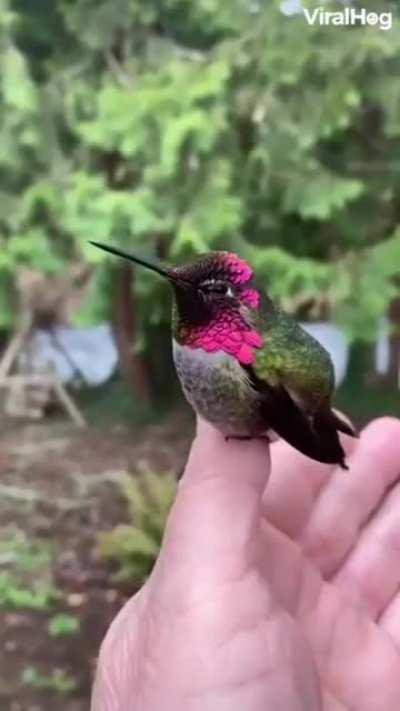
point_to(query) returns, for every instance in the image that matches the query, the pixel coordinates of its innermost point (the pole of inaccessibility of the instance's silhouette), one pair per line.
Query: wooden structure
(44, 303)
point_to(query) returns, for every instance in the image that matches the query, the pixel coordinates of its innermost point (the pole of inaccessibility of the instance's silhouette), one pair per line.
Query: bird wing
(295, 382)
(293, 358)
(281, 414)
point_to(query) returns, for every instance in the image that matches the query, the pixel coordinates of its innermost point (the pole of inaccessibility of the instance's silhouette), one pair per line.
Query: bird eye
(213, 286)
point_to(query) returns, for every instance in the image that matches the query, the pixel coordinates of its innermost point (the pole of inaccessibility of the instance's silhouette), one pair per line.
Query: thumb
(213, 529)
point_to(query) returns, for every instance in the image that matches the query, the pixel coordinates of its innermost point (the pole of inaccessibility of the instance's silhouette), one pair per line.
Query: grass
(63, 625)
(58, 680)
(23, 554)
(15, 595)
(26, 580)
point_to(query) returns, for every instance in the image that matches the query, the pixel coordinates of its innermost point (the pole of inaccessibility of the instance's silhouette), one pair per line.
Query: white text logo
(349, 16)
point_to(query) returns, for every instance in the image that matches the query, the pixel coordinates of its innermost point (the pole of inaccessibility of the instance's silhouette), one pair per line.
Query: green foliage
(112, 403)
(135, 546)
(63, 625)
(320, 196)
(175, 127)
(23, 554)
(58, 680)
(14, 595)
(363, 403)
(26, 582)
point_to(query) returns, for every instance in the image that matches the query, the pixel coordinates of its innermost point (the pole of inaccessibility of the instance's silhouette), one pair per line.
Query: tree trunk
(133, 367)
(394, 343)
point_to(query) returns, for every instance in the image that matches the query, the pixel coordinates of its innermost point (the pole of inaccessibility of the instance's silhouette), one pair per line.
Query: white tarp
(335, 342)
(91, 350)
(382, 350)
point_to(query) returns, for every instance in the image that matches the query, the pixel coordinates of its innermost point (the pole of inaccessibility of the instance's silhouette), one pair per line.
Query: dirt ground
(58, 490)
(57, 487)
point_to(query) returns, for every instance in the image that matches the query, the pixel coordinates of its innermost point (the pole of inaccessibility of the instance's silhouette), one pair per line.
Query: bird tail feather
(326, 425)
(342, 423)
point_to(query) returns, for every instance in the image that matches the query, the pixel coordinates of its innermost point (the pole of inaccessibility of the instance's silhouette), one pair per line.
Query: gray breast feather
(218, 388)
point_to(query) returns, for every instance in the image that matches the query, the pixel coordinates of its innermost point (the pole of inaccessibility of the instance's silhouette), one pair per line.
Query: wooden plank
(69, 404)
(11, 352)
(49, 382)
(34, 379)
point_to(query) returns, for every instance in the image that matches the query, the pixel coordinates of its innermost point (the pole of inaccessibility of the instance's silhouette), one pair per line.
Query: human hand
(283, 598)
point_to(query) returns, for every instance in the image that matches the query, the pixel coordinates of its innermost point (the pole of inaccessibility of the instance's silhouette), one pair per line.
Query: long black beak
(168, 274)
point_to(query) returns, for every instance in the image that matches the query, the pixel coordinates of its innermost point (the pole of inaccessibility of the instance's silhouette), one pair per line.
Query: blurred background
(169, 128)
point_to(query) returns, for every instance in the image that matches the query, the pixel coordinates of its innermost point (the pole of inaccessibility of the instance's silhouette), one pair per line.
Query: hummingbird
(244, 364)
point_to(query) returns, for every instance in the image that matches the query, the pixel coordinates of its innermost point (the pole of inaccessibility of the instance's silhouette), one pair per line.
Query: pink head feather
(228, 331)
(251, 298)
(239, 271)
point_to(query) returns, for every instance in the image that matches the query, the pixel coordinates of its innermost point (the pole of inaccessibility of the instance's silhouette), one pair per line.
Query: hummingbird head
(216, 303)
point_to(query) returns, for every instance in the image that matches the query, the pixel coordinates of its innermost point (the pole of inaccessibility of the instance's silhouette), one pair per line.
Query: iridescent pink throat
(229, 332)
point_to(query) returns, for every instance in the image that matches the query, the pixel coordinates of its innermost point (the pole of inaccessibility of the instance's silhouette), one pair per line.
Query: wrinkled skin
(283, 597)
